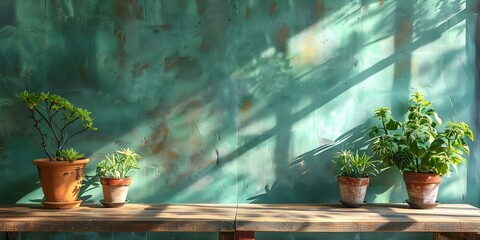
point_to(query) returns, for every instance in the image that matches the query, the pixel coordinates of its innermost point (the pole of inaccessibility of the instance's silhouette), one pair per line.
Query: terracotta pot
(61, 181)
(115, 189)
(422, 188)
(352, 190)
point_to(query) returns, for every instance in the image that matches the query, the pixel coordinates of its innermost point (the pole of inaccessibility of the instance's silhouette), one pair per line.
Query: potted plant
(421, 152)
(114, 175)
(353, 171)
(57, 121)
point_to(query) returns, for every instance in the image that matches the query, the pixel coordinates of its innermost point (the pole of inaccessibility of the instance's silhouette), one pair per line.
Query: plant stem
(42, 136)
(68, 137)
(49, 123)
(384, 126)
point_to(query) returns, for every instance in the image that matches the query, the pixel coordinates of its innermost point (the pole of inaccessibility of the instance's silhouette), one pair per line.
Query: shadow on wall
(312, 178)
(106, 56)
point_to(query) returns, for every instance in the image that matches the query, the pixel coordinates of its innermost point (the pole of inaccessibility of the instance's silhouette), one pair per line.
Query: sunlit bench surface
(232, 221)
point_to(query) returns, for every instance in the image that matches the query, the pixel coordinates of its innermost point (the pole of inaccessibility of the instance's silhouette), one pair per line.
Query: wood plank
(129, 218)
(370, 218)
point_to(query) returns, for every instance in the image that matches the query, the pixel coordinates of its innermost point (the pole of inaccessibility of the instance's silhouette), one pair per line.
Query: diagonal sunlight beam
(428, 37)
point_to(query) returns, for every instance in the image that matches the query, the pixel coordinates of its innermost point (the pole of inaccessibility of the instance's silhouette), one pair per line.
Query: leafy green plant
(118, 164)
(348, 164)
(53, 117)
(70, 154)
(415, 144)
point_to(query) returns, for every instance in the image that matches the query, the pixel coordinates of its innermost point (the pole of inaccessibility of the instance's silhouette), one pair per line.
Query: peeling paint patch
(248, 12)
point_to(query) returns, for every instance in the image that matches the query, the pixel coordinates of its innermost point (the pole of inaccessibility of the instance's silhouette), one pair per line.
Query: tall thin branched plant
(53, 117)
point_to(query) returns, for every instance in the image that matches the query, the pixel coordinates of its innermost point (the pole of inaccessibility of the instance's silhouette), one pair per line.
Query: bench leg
(236, 236)
(11, 235)
(241, 235)
(226, 236)
(456, 236)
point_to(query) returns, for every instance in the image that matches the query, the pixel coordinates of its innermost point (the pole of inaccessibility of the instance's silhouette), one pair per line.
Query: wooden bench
(240, 222)
(447, 221)
(129, 218)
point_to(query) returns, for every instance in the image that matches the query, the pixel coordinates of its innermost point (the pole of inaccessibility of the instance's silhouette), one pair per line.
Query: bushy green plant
(348, 164)
(118, 164)
(415, 144)
(70, 154)
(53, 117)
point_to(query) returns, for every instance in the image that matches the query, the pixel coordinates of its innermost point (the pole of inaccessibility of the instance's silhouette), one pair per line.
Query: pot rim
(367, 177)
(353, 181)
(416, 177)
(116, 181)
(112, 178)
(46, 161)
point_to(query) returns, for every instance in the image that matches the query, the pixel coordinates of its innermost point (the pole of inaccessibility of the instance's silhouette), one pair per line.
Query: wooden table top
(369, 218)
(129, 218)
(242, 217)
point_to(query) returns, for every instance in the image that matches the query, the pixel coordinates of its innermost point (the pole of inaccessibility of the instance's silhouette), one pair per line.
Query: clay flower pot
(115, 190)
(352, 190)
(422, 188)
(61, 181)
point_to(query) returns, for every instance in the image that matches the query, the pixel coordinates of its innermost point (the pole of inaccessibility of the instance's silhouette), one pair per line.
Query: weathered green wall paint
(234, 101)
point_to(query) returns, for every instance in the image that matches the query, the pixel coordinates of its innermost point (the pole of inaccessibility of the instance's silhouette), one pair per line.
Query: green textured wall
(234, 101)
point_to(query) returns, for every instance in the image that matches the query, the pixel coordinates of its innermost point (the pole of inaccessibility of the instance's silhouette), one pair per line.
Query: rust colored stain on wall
(281, 37)
(248, 11)
(159, 138)
(182, 67)
(174, 61)
(130, 9)
(245, 109)
(403, 34)
(160, 27)
(121, 38)
(172, 154)
(272, 9)
(319, 8)
(380, 2)
(246, 106)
